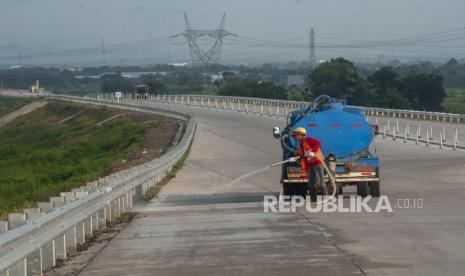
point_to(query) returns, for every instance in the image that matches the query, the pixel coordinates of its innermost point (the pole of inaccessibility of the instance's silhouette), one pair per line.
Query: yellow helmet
(300, 130)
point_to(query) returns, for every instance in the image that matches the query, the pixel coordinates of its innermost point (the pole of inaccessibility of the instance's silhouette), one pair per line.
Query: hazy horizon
(52, 26)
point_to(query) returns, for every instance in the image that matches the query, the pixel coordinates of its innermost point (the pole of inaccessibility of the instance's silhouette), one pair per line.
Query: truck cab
(142, 91)
(346, 142)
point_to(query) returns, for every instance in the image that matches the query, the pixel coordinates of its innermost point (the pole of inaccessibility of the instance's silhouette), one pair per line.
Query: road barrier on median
(280, 108)
(39, 236)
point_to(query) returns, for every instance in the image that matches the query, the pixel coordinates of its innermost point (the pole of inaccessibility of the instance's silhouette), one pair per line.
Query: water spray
(294, 159)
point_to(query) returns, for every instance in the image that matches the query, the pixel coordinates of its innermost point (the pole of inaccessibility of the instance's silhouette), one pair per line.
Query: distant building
(36, 88)
(297, 80)
(181, 64)
(216, 77)
(16, 67)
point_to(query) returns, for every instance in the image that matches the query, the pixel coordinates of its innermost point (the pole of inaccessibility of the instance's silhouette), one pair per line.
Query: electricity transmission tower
(103, 52)
(211, 54)
(311, 46)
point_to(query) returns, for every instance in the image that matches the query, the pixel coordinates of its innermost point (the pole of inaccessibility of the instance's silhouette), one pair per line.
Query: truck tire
(374, 189)
(340, 189)
(288, 189)
(362, 189)
(374, 186)
(301, 189)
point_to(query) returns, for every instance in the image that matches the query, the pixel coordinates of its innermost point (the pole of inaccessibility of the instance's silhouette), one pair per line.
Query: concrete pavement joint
(331, 241)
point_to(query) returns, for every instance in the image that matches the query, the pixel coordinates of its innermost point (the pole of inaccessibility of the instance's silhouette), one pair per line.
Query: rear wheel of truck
(288, 189)
(340, 189)
(301, 189)
(295, 189)
(374, 189)
(362, 189)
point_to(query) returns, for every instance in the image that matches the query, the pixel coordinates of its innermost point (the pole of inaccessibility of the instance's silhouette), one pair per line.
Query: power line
(205, 45)
(450, 35)
(108, 48)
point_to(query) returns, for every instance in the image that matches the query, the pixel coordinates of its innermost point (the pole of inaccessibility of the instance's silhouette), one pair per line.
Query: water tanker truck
(346, 142)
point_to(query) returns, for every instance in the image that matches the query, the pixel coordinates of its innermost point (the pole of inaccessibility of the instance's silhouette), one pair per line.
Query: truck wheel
(374, 189)
(288, 189)
(301, 189)
(362, 189)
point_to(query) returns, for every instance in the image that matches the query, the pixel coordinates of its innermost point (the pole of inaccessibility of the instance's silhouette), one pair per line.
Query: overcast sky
(65, 24)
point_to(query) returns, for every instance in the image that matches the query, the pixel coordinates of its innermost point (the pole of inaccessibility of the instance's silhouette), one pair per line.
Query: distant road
(20, 93)
(21, 111)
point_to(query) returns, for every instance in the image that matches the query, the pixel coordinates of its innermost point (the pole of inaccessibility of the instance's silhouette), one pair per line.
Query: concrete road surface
(201, 224)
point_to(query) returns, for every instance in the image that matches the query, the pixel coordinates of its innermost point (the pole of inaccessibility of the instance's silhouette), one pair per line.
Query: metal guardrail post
(427, 138)
(418, 135)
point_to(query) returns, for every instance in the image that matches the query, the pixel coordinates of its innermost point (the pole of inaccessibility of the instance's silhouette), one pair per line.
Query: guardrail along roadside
(32, 241)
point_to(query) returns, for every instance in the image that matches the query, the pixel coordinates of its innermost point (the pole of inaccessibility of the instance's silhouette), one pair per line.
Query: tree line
(419, 86)
(340, 78)
(384, 88)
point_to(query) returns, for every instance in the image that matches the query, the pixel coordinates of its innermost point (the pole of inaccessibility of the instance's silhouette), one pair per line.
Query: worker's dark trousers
(316, 179)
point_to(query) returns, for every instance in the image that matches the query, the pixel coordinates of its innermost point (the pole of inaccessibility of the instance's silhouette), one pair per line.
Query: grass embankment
(455, 101)
(40, 158)
(10, 104)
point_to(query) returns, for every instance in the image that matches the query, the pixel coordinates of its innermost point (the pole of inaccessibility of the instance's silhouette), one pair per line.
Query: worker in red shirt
(311, 159)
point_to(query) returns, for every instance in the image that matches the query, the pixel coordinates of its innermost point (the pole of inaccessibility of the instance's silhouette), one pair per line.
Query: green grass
(40, 158)
(455, 101)
(10, 104)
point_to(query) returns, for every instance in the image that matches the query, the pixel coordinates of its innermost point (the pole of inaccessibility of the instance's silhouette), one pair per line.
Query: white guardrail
(41, 236)
(280, 108)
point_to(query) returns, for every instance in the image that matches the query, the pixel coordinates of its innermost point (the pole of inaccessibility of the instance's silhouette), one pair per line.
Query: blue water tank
(341, 133)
